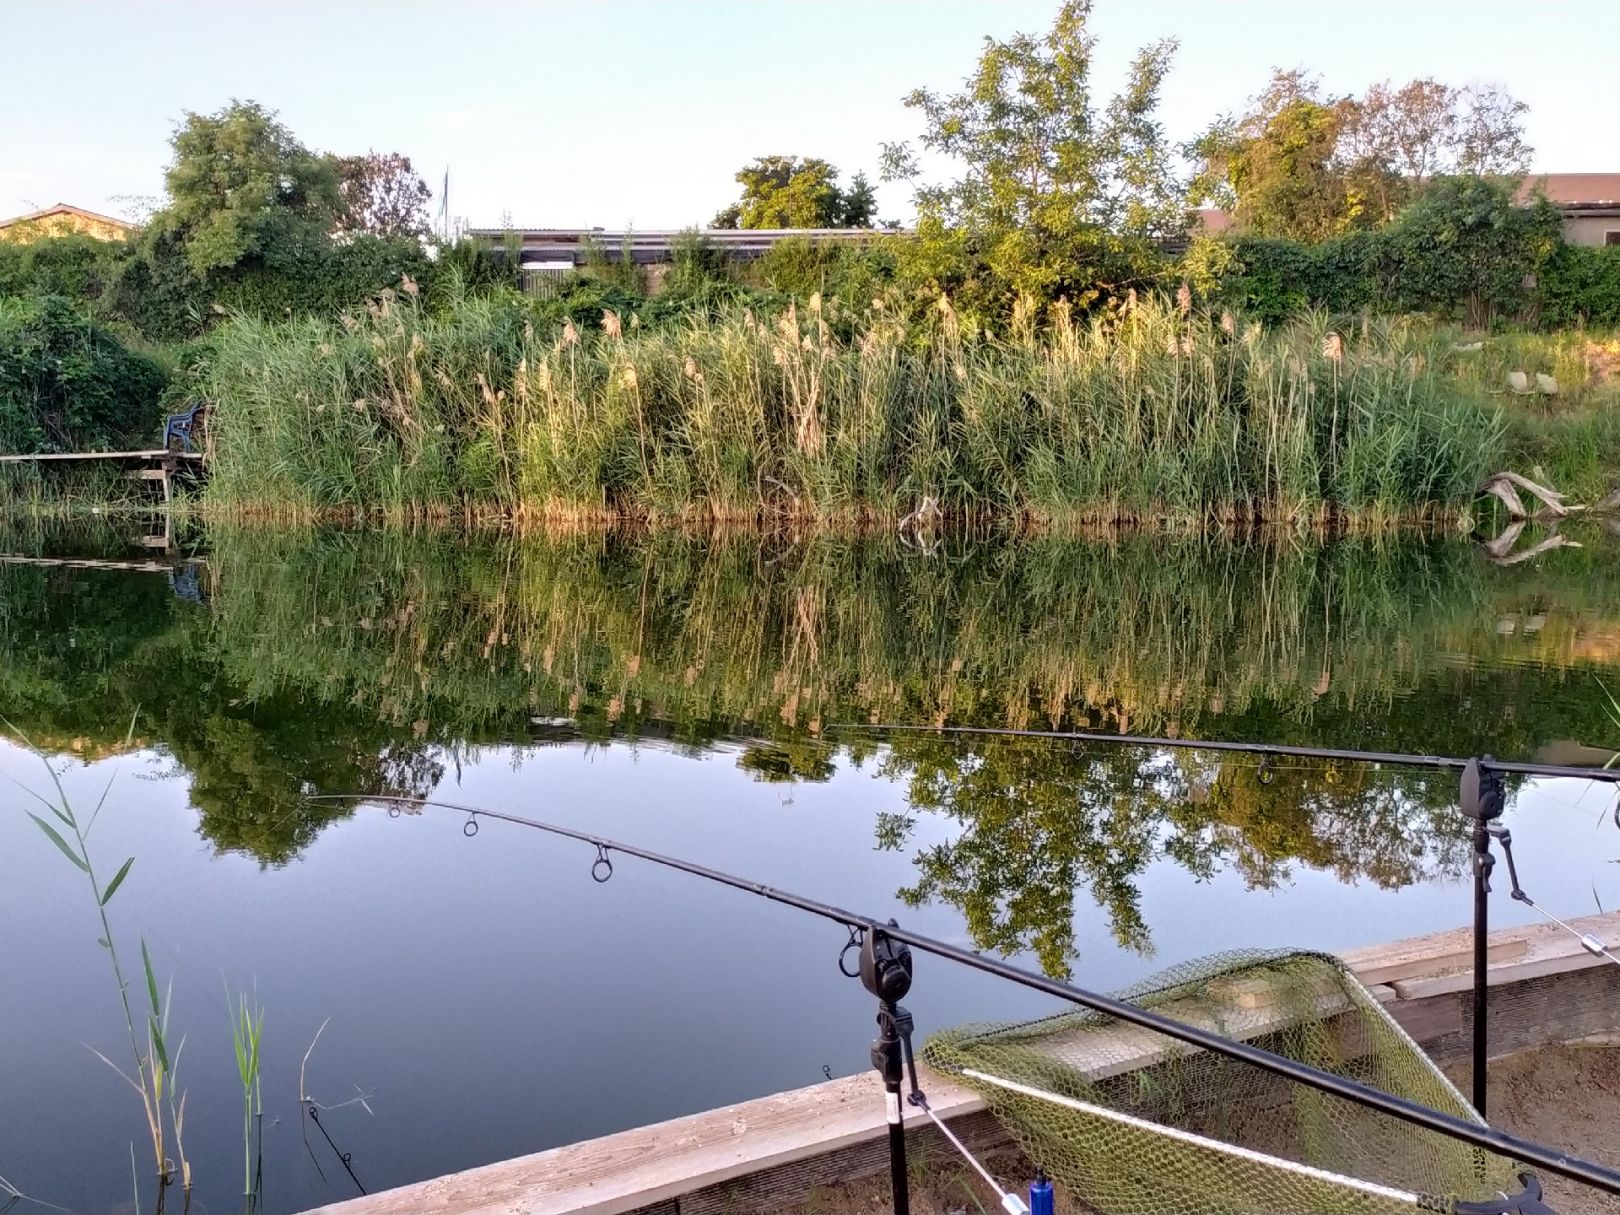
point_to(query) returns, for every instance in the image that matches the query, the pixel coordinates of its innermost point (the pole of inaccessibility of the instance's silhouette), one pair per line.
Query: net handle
(1370, 1188)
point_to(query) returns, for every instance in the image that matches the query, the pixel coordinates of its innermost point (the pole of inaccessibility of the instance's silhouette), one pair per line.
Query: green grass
(1152, 416)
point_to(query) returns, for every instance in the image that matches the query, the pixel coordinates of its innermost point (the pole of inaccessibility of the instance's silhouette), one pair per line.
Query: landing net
(1136, 1123)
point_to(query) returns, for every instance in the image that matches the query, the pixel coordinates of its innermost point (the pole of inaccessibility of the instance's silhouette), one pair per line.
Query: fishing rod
(882, 938)
(1482, 799)
(1392, 758)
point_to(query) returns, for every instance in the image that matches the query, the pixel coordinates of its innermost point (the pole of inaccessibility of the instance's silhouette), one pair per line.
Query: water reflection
(328, 662)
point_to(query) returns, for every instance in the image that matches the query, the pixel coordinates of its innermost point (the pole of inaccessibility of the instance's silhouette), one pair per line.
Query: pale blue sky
(561, 112)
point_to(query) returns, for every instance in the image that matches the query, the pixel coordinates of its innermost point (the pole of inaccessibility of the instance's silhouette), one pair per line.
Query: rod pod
(886, 973)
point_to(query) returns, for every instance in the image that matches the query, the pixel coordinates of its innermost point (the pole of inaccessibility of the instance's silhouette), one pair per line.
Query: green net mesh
(1156, 1127)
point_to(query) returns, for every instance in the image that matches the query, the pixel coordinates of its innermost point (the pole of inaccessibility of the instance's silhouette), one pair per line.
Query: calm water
(487, 998)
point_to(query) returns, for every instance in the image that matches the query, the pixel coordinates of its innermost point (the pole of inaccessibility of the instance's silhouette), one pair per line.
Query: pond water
(706, 697)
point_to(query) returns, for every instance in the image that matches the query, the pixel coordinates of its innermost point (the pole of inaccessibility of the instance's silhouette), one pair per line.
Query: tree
(797, 192)
(1490, 133)
(1053, 196)
(240, 185)
(1305, 166)
(1275, 167)
(381, 194)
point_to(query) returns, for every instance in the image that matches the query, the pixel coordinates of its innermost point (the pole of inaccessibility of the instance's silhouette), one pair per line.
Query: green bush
(1273, 279)
(66, 384)
(320, 278)
(76, 267)
(1464, 250)
(1580, 285)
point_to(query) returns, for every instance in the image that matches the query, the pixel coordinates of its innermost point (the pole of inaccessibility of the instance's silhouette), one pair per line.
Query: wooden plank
(1430, 955)
(157, 453)
(653, 1164)
(1548, 950)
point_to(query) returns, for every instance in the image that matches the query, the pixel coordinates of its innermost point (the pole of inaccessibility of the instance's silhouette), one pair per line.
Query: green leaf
(60, 842)
(118, 880)
(151, 982)
(158, 1045)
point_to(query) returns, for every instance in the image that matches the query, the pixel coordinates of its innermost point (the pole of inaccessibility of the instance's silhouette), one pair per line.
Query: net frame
(1144, 1101)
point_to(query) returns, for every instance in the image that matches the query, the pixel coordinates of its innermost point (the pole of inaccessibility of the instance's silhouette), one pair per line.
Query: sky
(565, 113)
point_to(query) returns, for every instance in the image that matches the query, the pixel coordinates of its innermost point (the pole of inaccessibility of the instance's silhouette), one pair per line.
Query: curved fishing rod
(1478, 1135)
(1393, 758)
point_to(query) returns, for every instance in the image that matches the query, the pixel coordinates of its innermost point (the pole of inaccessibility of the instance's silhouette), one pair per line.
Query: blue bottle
(1040, 1194)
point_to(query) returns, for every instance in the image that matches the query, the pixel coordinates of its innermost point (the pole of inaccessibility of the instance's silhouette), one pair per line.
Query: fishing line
(1587, 941)
(1403, 759)
(1473, 1133)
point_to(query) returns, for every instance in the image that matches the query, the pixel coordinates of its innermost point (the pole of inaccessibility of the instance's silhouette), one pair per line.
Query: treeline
(1044, 200)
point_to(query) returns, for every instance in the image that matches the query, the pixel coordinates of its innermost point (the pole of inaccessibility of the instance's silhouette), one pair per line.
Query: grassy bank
(1153, 416)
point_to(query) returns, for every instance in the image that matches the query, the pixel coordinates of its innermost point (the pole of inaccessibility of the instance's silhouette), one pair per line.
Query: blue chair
(180, 426)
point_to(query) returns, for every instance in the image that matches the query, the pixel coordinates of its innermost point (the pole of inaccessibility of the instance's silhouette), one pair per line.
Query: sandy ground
(1566, 1097)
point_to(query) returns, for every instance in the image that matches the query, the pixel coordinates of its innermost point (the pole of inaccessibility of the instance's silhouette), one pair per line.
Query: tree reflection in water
(332, 662)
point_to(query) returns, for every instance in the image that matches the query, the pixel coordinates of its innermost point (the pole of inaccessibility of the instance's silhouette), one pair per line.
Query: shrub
(1580, 285)
(76, 267)
(320, 278)
(67, 384)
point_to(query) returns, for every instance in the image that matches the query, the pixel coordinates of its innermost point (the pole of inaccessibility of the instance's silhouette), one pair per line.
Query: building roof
(1574, 189)
(656, 244)
(66, 209)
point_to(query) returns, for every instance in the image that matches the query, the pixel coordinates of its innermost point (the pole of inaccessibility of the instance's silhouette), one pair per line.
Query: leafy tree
(1304, 166)
(1276, 167)
(241, 186)
(797, 192)
(1052, 195)
(859, 209)
(1490, 133)
(381, 194)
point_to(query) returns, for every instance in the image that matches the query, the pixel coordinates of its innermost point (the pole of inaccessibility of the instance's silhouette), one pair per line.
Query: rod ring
(602, 867)
(470, 827)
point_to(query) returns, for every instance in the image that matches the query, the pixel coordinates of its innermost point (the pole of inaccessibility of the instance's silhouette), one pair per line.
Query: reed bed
(1154, 414)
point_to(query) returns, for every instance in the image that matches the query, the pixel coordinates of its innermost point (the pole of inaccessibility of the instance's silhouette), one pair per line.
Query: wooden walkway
(153, 464)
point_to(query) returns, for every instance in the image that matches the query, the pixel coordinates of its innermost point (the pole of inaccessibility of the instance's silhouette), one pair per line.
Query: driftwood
(1505, 486)
(1500, 550)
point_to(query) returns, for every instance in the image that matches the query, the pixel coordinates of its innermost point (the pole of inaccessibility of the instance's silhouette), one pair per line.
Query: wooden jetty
(156, 464)
(757, 1155)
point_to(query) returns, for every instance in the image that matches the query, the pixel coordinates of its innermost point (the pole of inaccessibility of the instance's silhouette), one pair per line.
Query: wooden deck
(756, 1154)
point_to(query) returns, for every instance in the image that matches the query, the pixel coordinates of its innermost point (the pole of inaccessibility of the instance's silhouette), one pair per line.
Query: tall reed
(155, 1066)
(1158, 414)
